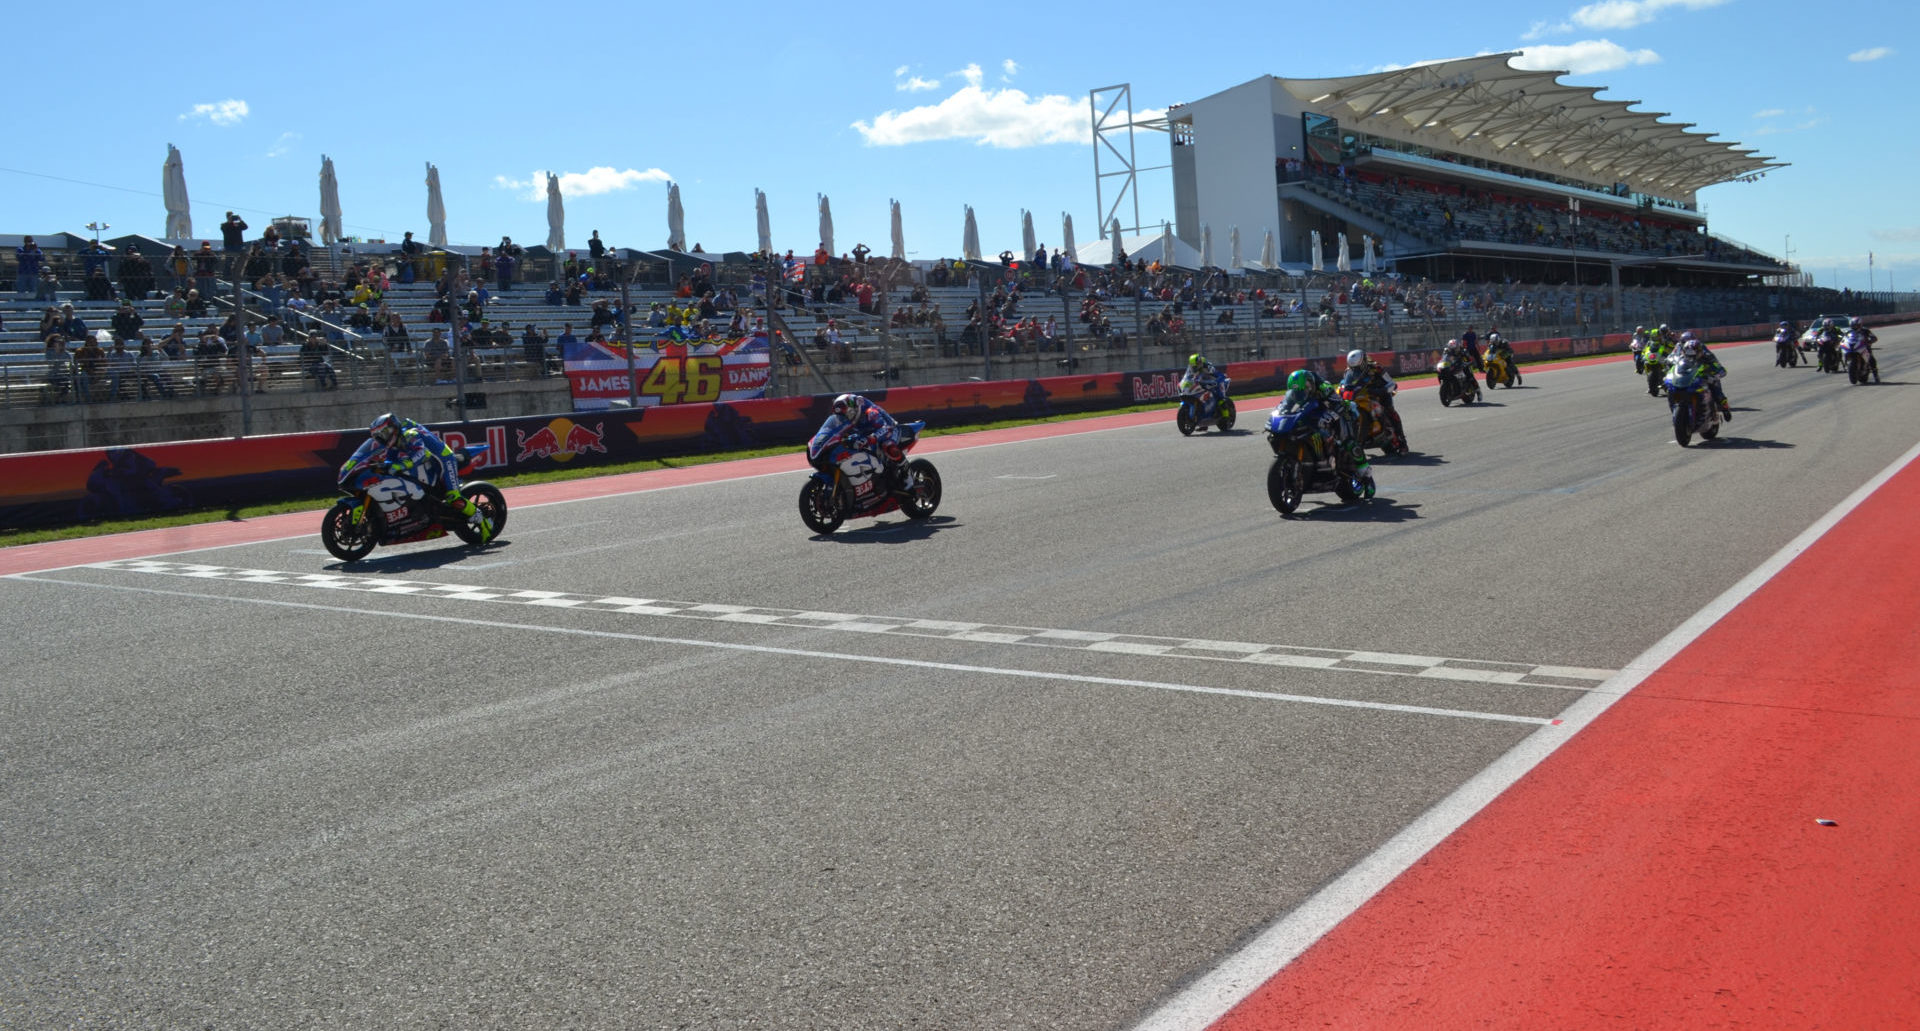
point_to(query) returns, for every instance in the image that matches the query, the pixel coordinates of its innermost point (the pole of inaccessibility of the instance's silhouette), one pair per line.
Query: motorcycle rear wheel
(817, 508)
(926, 490)
(344, 540)
(493, 508)
(1283, 485)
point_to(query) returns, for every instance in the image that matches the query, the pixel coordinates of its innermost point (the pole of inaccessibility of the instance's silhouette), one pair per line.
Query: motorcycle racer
(409, 446)
(1339, 420)
(1366, 375)
(1202, 375)
(1468, 357)
(868, 426)
(1692, 347)
(1497, 347)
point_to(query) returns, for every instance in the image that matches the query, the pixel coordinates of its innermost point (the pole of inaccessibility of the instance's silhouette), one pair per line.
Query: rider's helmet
(386, 429)
(1783, 325)
(1356, 358)
(1453, 345)
(849, 406)
(1639, 329)
(1663, 328)
(1689, 335)
(1690, 348)
(1301, 379)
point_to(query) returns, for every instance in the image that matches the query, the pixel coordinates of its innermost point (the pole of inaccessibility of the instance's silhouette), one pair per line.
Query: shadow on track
(890, 531)
(1739, 444)
(415, 561)
(1409, 459)
(1381, 509)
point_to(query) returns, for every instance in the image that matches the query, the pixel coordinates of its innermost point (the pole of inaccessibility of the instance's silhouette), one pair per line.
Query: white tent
(1206, 245)
(436, 210)
(329, 204)
(761, 224)
(1233, 248)
(173, 186)
(556, 217)
(1268, 258)
(899, 234)
(1027, 241)
(826, 226)
(1343, 258)
(1066, 238)
(676, 220)
(1141, 248)
(970, 238)
(1318, 265)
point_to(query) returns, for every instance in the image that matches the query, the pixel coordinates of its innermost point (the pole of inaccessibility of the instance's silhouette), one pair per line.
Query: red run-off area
(1665, 868)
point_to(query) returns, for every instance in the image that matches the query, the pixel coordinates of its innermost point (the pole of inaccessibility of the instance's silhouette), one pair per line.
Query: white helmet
(1356, 358)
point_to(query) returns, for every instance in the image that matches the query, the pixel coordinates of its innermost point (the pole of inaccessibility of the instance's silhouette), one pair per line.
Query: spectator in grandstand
(72, 326)
(437, 355)
(394, 333)
(98, 287)
(595, 248)
(88, 362)
(206, 266)
(59, 368)
(533, 345)
(576, 292)
(602, 315)
(505, 264)
(47, 286)
(174, 346)
(564, 340)
(136, 275)
(555, 296)
(127, 322)
(314, 363)
(860, 253)
(120, 368)
(233, 232)
(29, 258)
(209, 363)
(151, 366)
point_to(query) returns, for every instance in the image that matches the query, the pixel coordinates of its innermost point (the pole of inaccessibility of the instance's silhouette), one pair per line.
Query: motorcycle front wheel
(817, 507)
(1447, 390)
(1183, 419)
(926, 490)
(346, 540)
(1283, 485)
(1682, 425)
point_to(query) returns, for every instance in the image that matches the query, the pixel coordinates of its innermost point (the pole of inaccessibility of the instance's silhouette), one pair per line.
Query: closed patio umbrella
(1166, 245)
(1027, 240)
(761, 224)
(329, 204)
(1268, 258)
(826, 226)
(899, 235)
(970, 238)
(1206, 246)
(436, 209)
(676, 220)
(173, 185)
(1066, 238)
(1368, 262)
(1343, 258)
(556, 217)
(1318, 264)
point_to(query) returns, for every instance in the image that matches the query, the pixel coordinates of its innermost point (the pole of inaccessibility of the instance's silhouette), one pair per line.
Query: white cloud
(1008, 69)
(596, 180)
(902, 70)
(226, 112)
(1007, 118)
(1904, 234)
(1543, 29)
(1772, 112)
(1870, 54)
(284, 145)
(918, 85)
(1583, 58)
(1626, 14)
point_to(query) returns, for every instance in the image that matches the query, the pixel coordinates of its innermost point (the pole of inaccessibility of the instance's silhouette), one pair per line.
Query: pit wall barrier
(58, 488)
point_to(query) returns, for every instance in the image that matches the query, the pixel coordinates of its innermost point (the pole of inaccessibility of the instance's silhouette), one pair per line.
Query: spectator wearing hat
(47, 286)
(29, 257)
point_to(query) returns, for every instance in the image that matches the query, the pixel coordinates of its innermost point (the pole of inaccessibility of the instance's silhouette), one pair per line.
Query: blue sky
(934, 105)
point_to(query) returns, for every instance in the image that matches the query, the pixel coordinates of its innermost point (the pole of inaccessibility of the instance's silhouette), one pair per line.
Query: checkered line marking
(1428, 666)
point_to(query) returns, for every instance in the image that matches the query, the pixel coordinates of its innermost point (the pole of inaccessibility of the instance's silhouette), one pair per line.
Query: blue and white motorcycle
(1201, 407)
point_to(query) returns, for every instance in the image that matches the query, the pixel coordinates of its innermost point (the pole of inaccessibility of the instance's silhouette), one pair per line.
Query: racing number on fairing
(677, 380)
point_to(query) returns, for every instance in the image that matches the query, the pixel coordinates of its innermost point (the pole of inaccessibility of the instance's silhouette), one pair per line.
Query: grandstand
(1464, 169)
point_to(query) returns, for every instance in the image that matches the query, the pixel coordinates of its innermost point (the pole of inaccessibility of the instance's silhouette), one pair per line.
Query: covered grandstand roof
(1485, 107)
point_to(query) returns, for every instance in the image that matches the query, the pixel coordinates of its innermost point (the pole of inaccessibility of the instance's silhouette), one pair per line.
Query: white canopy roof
(1485, 107)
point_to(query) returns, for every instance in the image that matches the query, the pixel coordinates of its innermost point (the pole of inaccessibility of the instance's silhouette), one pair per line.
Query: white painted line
(879, 660)
(1209, 998)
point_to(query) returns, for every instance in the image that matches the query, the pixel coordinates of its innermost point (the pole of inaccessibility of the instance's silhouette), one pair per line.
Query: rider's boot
(467, 508)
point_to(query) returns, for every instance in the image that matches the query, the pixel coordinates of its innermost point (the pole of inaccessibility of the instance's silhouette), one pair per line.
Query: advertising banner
(669, 372)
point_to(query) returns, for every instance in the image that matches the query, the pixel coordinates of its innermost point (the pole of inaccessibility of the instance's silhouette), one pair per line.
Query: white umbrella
(329, 204)
(1367, 262)
(1318, 265)
(1267, 257)
(1026, 235)
(899, 235)
(173, 184)
(1343, 260)
(1066, 238)
(1166, 245)
(436, 210)
(676, 220)
(1233, 248)
(556, 217)
(1206, 246)
(970, 238)
(826, 226)
(761, 223)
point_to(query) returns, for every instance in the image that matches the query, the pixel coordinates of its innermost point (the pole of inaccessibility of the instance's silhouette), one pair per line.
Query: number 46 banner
(669, 373)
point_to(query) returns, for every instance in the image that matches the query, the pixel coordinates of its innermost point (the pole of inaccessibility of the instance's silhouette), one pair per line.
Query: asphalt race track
(665, 760)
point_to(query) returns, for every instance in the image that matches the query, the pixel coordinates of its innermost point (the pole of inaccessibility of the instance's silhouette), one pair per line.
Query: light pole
(1573, 250)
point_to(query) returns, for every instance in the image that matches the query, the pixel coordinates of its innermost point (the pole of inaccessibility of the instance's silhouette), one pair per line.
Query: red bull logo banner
(667, 372)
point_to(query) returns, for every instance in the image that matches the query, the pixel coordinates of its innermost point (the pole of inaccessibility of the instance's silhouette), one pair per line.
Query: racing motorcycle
(1827, 351)
(1200, 408)
(1786, 351)
(1380, 426)
(385, 505)
(1501, 372)
(1860, 360)
(1638, 347)
(1457, 381)
(1656, 372)
(1305, 462)
(1690, 402)
(847, 483)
